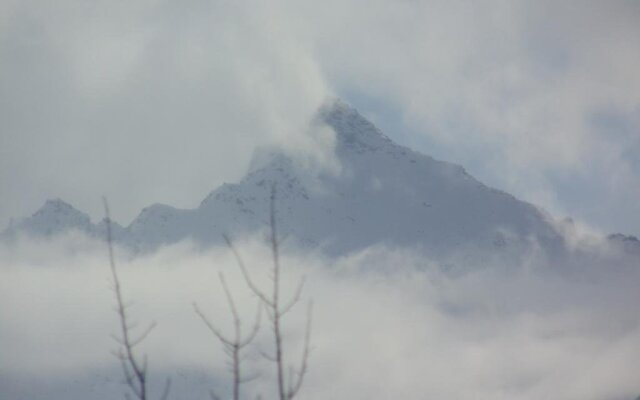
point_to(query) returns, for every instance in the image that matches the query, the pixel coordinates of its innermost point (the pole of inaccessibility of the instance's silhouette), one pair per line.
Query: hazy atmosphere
(456, 183)
(387, 324)
(162, 101)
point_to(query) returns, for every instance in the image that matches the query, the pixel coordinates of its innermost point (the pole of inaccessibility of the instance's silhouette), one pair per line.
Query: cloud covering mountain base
(387, 323)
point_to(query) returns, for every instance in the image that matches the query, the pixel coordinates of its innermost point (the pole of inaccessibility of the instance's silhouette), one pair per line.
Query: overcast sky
(162, 101)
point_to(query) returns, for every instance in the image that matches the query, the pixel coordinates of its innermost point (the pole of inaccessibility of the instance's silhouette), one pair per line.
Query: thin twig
(134, 371)
(245, 274)
(287, 388)
(232, 346)
(295, 388)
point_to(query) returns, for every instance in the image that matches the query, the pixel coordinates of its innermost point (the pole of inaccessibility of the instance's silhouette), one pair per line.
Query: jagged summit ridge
(57, 206)
(57, 216)
(54, 216)
(385, 194)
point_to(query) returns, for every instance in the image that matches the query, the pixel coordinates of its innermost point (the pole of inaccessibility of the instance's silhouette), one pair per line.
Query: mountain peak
(53, 217)
(55, 203)
(353, 131)
(385, 194)
(57, 206)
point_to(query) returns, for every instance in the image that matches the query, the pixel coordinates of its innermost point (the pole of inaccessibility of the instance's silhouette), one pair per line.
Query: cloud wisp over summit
(162, 102)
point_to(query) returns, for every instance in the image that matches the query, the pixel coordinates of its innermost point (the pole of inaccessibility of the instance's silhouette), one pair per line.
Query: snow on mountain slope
(383, 194)
(57, 216)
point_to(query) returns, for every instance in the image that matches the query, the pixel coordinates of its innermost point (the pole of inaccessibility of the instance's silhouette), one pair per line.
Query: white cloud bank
(387, 324)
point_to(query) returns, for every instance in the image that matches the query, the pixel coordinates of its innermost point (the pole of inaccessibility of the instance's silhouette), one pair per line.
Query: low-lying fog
(387, 324)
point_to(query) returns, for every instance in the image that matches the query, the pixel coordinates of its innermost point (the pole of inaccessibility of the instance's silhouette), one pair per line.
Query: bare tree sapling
(289, 382)
(234, 344)
(134, 367)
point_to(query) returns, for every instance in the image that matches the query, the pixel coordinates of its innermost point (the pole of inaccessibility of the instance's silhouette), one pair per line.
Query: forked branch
(288, 387)
(233, 345)
(133, 369)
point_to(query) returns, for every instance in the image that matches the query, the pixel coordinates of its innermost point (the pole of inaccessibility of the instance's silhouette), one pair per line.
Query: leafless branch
(134, 370)
(232, 346)
(268, 356)
(294, 388)
(211, 327)
(245, 274)
(295, 299)
(276, 309)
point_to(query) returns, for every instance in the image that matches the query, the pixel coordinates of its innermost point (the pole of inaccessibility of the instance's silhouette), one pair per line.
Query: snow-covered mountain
(384, 193)
(57, 216)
